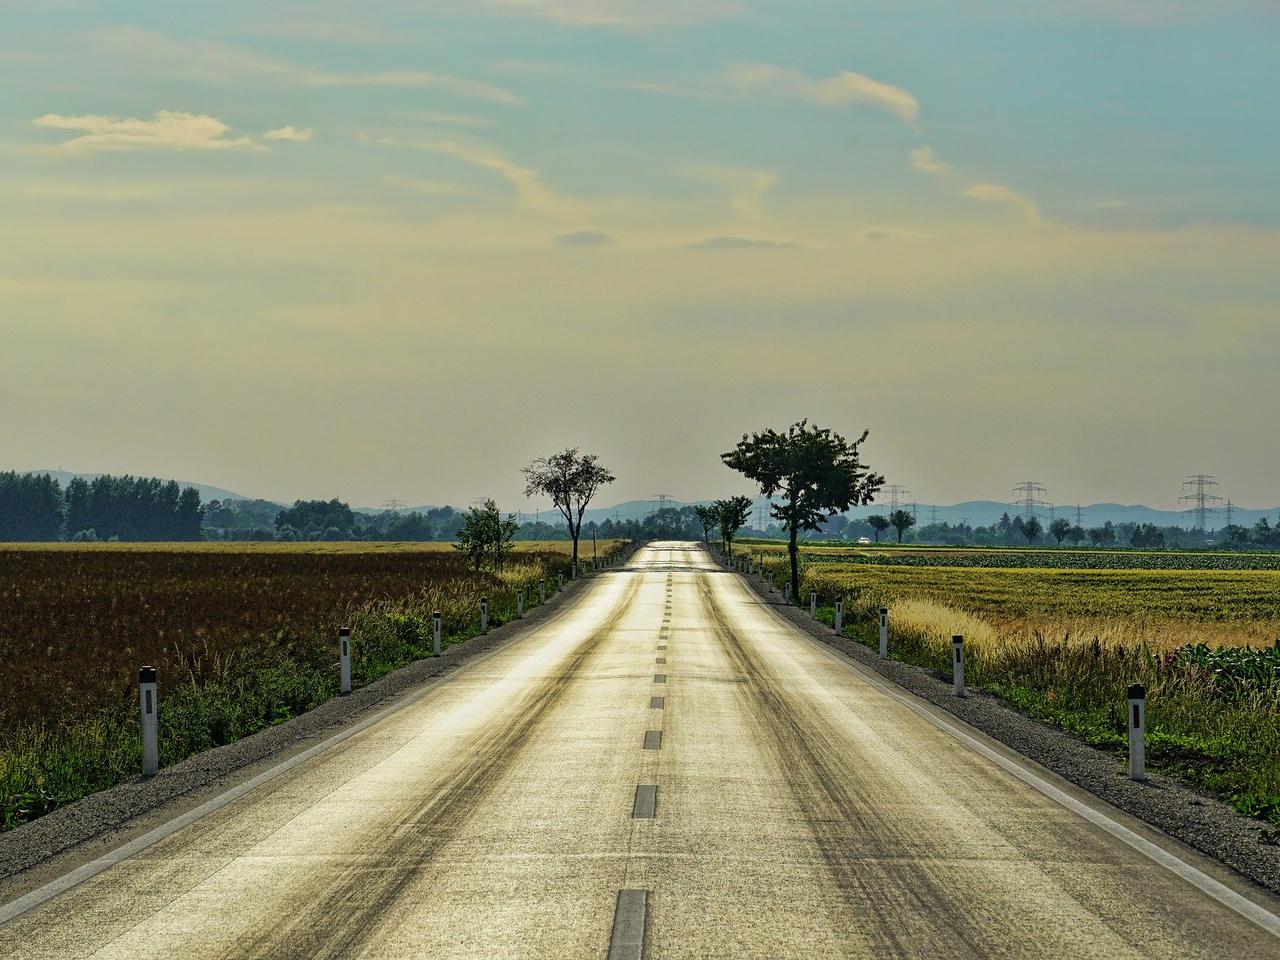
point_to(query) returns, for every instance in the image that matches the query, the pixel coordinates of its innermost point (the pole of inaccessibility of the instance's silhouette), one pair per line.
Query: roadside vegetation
(243, 637)
(1063, 642)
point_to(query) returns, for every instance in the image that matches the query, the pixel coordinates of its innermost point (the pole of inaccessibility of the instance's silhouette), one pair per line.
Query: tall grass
(1213, 718)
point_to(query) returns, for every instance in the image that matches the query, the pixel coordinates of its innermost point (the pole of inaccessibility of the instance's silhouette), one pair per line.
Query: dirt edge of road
(45, 848)
(1196, 819)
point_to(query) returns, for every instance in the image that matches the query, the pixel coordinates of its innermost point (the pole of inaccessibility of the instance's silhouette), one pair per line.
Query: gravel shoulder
(1190, 816)
(51, 846)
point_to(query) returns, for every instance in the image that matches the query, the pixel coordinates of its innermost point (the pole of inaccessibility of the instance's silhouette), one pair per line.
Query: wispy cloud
(167, 129)
(450, 119)
(325, 31)
(840, 90)
(926, 161)
(529, 187)
(745, 187)
(741, 243)
(999, 193)
(433, 188)
(108, 193)
(211, 62)
(631, 14)
(584, 238)
(290, 133)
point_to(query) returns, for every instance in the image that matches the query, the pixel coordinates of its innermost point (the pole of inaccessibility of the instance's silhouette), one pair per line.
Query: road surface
(665, 768)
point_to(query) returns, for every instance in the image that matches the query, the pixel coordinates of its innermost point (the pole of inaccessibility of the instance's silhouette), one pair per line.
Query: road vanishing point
(664, 767)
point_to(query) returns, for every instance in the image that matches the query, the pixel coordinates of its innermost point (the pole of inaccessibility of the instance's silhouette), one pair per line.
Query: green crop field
(243, 636)
(1063, 641)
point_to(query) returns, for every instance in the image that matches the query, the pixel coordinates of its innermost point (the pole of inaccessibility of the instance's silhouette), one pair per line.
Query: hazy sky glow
(313, 250)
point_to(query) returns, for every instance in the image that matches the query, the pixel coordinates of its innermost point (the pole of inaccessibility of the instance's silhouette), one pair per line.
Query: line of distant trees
(34, 507)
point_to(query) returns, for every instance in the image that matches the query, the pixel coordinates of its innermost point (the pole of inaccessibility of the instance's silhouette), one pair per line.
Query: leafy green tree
(1060, 528)
(902, 521)
(732, 516)
(708, 519)
(571, 479)
(31, 507)
(879, 524)
(814, 472)
(485, 537)
(1076, 535)
(1031, 529)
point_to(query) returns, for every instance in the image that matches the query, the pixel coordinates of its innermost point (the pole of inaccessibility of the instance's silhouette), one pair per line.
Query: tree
(485, 537)
(902, 521)
(708, 517)
(1059, 529)
(879, 524)
(1103, 535)
(732, 515)
(1031, 529)
(1076, 534)
(815, 472)
(570, 479)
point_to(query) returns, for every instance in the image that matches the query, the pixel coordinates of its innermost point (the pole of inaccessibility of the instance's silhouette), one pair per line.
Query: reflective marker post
(520, 602)
(484, 614)
(1137, 732)
(435, 634)
(148, 704)
(542, 590)
(559, 582)
(839, 615)
(884, 633)
(813, 604)
(344, 661)
(957, 646)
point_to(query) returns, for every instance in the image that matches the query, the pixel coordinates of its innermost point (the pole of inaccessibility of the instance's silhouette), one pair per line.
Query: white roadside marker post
(957, 646)
(1137, 732)
(813, 604)
(786, 592)
(839, 615)
(884, 633)
(559, 582)
(435, 633)
(542, 590)
(147, 703)
(520, 603)
(344, 661)
(484, 614)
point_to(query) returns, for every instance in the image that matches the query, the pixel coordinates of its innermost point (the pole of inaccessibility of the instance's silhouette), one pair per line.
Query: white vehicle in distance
(864, 539)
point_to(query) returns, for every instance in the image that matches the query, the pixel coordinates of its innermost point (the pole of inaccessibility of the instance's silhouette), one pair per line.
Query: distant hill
(207, 492)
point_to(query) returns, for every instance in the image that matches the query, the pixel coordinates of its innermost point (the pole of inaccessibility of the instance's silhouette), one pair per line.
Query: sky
(315, 250)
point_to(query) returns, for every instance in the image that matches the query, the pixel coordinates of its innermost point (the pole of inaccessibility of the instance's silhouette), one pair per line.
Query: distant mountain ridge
(978, 513)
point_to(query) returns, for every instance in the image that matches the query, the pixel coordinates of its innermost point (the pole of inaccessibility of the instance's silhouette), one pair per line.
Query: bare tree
(570, 479)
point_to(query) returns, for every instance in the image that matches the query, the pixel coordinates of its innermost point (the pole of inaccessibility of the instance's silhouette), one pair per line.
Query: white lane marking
(1206, 884)
(87, 871)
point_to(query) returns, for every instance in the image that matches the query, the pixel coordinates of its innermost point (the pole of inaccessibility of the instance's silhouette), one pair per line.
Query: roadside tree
(812, 471)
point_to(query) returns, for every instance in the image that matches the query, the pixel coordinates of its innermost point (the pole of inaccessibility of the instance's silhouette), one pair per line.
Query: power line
(1201, 499)
(897, 495)
(1027, 495)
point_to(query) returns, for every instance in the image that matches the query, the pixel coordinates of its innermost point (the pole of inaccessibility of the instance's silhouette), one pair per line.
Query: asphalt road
(798, 808)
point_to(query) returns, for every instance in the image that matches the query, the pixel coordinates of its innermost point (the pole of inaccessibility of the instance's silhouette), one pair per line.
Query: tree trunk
(794, 552)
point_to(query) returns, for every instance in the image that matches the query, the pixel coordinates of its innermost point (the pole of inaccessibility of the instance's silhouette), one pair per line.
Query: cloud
(741, 243)
(87, 191)
(584, 238)
(325, 31)
(529, 188)
(923, 159)
(635, 14)
(434, 188)
(744, 186)
(999, 193)
(167, 129)
(210, 62)
(451, 119)
(289, 133)
(840, 90)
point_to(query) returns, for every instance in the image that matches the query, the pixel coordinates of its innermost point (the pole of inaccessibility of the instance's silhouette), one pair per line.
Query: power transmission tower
(933, 515)
(393, 504)
(1079, 516)
(1028, 494)
(1229, 513)
(915, 509)
(661, 499)
(897, 496)
(1201, 499)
